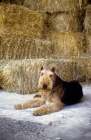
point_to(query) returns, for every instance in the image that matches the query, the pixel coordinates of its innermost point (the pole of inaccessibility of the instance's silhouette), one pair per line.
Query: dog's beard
(49, 86)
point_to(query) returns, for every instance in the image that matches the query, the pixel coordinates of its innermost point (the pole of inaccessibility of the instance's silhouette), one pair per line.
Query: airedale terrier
(54, 93)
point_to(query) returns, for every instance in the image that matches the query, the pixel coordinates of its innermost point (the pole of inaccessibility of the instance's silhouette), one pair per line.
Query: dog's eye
(50, 75)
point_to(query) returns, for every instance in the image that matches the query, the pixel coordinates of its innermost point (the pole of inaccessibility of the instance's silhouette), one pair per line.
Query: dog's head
(46, 79)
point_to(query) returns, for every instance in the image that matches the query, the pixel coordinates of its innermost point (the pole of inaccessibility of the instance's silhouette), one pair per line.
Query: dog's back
(72, 93)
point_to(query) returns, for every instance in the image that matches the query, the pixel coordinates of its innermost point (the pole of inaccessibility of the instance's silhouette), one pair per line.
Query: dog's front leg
(30, 103)
(46, 109)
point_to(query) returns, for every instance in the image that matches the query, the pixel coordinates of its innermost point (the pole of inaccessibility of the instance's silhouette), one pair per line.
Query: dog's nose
(44, 86)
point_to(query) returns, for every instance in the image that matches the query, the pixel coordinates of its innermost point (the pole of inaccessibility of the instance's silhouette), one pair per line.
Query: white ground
(74, 120)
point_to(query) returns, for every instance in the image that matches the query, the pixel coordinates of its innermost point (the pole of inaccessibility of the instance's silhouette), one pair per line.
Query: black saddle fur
(72, 91)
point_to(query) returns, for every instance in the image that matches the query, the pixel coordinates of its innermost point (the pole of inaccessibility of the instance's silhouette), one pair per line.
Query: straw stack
(88, 42)
(55, 5)
(19, 2)
(87, 29)
(46, 33)
(88, 72)
(80, 69)
(17, 20)
(3, 63)
(57, 45)
(66, 22)
(22, 47)
(21, 33)
(87, 20)
(22, 75)
(67, 45)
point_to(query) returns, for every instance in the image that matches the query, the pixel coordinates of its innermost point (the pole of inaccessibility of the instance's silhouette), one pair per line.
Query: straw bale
(9, 76)
(0, 77)
(87, 20)
(63, 22)
(67, 45)
(88, 70)
(88, 44)
(19, 2)
(82, 69)
(20, 47)
(22, 75)
(55, 5)
(85, 2)
(3, 63)
(18, 20)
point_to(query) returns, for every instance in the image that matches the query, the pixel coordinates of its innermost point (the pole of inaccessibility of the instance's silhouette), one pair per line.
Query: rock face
(57, 32)
(62, 125)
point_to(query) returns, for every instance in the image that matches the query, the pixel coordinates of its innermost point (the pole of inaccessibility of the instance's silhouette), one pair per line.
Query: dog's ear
(53, 69)
(40, 68)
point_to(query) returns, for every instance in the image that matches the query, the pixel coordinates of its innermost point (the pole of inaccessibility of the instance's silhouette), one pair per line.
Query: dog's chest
(47, 102)
(47, 97)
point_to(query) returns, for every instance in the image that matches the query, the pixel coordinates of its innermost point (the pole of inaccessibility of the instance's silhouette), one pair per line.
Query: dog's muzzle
(44, 86)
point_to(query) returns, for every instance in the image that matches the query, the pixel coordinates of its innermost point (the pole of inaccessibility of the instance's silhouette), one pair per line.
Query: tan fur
(47, 101)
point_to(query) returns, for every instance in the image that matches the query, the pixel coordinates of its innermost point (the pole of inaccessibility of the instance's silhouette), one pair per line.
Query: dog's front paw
(38, 112)
(18, 106)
